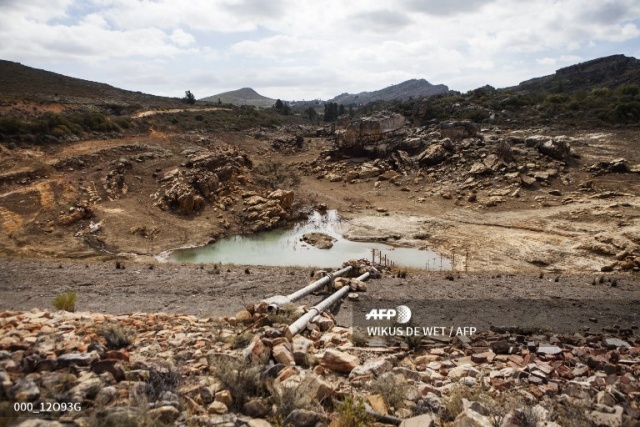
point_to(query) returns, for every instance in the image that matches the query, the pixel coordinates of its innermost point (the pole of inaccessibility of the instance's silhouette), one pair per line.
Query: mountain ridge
(242, 96)
(412, 88)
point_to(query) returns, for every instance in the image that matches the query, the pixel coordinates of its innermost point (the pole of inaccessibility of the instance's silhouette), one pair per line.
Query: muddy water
(283, 247)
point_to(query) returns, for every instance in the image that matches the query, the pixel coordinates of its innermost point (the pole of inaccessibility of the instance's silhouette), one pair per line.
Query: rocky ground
(532, 218)
(242, 370)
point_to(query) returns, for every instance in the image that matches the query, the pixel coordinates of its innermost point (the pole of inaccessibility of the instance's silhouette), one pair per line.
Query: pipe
(362, 278)
(302, 322)
(279, 300)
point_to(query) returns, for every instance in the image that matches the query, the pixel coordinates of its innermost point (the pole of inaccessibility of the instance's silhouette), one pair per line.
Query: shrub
(276, 175)
(392, 391)
(288, 398)
(116, 337)
(66, 301)
(161, 380)
(240, 377)
(359, 339)
(353, 413)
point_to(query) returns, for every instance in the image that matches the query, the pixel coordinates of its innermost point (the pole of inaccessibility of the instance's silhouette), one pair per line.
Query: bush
(392, 391)
(66, 301)
(116, 337)
(161, 380)
(353, 413)
(504, 152)
(276, 175)
(240, 377)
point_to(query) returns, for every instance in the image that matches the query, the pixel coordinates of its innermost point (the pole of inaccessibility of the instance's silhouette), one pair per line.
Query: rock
(548, 349)
(87, 389)
(284, 197)
(24, 390)
(225, 397)
(557, 148)
(377, 403)
(433, 155)
(106, 396)
(258, 422)
(256, 351)
(458, 372)
(603, 419)
(338, 361)
(319, 240)
(300, 349)
(34, 422)
(283, 355)
(470, 418)
(217, 407)
(305, 418)
(425, 420)
(78, 359)
(362, 135)
(459, 130)
(166, 414)
(376, 367)
(256, 408)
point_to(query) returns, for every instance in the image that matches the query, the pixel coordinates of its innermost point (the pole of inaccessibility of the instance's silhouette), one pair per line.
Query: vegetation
(65, 301)
(282, 107)
(189, 98)
(276, 175)
(241, 378)
(116, 337)
(393, 392)
(353, 413)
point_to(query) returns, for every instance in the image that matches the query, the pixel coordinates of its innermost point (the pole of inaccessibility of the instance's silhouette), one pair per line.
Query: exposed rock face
(319, 240)
(459, 130)
(266, 213)
(208, 177)
(360, 136)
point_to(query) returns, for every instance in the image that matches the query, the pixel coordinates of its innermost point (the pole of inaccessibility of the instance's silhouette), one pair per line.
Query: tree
(312, 113)
(189, 98)
(282, 107)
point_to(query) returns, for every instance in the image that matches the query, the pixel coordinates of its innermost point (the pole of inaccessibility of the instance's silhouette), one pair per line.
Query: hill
(244, 96)
(415, 88)
(610, 71)
(21, 81)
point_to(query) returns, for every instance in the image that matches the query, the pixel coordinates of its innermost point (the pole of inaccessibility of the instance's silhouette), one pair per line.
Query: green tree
(189, 98)
(312, 113)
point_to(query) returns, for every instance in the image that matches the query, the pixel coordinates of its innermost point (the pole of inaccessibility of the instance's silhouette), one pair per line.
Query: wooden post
(380, 254)
(373, 256)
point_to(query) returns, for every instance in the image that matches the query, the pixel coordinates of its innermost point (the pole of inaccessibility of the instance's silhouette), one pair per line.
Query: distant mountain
(410, 89)
(244, 96)
(610, 71)
(22, 81)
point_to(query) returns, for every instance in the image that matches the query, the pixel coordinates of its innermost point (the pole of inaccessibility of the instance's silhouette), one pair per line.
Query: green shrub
(66, 301)
(353, 413)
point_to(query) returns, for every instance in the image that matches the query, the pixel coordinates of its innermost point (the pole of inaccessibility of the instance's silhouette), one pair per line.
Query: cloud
(379, 20)
(446, 8)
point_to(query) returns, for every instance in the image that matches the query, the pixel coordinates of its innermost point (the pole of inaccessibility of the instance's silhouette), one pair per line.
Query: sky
(312, 49)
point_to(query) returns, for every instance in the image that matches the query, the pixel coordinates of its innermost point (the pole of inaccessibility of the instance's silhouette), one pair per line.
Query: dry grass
(65, 301)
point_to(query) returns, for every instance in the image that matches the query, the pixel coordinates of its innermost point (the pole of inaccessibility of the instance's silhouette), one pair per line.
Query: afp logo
(401, 313)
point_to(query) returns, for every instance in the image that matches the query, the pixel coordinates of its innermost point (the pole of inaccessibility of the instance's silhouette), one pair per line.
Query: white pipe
(279, 300)
(314, 311)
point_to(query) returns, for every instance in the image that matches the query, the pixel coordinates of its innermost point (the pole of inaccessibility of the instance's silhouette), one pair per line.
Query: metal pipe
(279, 300)
(302, 322)
(362, 278)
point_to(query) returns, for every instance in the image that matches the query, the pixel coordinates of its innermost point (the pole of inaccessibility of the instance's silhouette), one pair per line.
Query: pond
(283, 247)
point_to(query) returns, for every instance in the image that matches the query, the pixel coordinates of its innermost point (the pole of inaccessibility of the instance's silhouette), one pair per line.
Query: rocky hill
(244, 96)
(611, 71)
(21, 81)
(415, 88)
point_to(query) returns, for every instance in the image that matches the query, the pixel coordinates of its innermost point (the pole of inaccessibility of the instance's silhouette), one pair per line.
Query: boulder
(338, 361)
(284, 197)
(557, 148)
(459, 130)
(318, 240)
(433, 155)
(305, 418)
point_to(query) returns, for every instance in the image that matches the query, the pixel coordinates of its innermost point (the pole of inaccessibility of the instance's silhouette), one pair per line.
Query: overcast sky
(308, 49)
